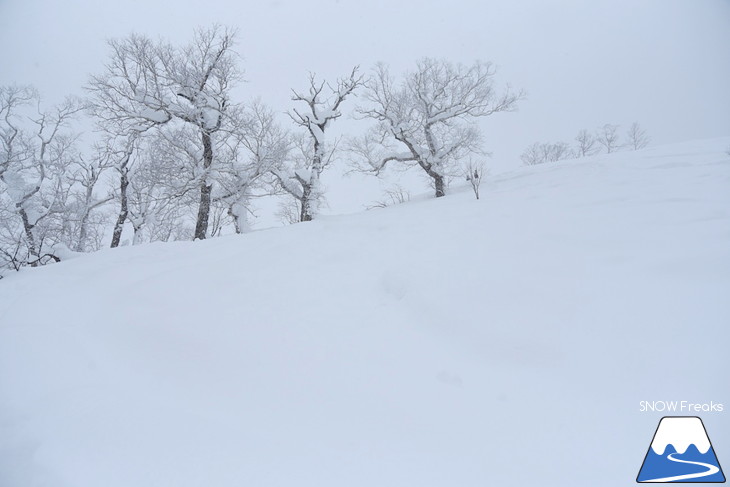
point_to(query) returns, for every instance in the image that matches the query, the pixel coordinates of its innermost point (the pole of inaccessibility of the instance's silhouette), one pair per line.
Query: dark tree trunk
(439, 185)
(201, 226)
(306, 213)
(123, 210)
(28, 227)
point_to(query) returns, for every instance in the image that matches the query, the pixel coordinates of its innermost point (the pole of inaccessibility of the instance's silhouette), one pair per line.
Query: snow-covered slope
(449, 342)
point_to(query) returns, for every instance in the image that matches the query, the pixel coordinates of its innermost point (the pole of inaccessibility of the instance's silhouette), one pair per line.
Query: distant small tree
(586, 144)
(393, 196)
(607, 136)
(474, 172)
(533, 155)
(540, 153)
(288, 211)
(558, 151)
(637, 137)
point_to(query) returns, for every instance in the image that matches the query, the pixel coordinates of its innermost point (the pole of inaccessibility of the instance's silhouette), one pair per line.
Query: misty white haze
(664, 64)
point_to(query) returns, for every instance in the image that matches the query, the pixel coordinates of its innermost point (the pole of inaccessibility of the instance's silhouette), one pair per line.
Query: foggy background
(662, 63)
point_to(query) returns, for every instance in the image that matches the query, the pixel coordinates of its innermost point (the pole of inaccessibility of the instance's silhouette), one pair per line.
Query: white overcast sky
(663, 63)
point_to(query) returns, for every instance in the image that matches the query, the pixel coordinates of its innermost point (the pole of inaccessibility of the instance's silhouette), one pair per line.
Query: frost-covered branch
(301, 176)
(148, 85)
(256, 148)
(428, 119)
(37, 152)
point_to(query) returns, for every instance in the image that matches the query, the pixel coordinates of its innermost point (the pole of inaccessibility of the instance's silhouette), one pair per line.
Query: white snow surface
(441, 342)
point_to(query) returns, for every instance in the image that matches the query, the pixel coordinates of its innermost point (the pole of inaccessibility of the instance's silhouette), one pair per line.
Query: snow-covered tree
(84, 222)
(153, 190)
(120, 155)
(36, 152)
(429, 118)
(607, 136)
(149, 84)
(300, 178)
(304, 193)
(637, 137)
(256, 145)
(160, 200)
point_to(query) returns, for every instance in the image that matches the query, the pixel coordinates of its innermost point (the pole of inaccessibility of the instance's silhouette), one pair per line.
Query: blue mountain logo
(680, 452)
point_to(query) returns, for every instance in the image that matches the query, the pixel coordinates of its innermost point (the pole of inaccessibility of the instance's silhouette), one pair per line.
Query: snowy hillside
(444, 342)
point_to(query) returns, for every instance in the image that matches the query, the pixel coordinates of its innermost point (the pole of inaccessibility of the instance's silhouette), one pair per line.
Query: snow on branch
(428, 119)
(322, 102)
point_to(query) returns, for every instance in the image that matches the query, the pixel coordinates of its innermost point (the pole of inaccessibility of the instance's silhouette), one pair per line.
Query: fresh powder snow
(441, 342)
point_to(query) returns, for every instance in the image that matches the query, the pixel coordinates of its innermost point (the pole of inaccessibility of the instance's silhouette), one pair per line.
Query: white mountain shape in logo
(680, 432)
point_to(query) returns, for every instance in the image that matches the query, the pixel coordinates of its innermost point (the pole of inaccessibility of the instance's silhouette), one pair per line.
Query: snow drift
(447, 342)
